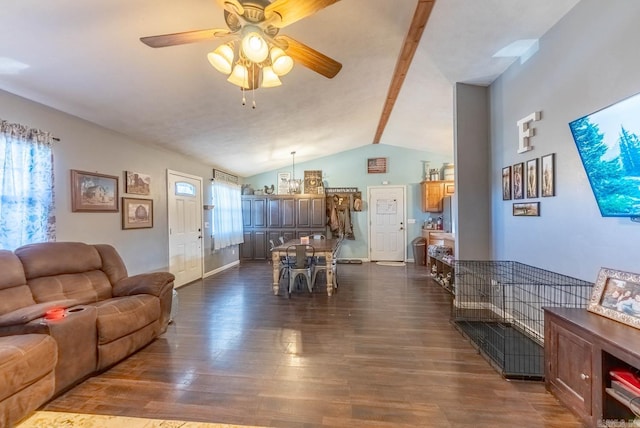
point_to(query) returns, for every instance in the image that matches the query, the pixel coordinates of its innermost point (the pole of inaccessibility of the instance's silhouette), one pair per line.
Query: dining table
(322, 247)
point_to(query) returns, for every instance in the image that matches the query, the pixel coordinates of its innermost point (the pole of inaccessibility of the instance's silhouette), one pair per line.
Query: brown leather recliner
(109, 314)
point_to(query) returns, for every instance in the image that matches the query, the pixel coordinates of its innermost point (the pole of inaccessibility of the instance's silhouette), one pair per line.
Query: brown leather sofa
(109, 315)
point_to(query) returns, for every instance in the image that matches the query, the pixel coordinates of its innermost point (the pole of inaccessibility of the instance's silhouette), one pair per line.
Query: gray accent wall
(87, 147)
(472, 155)
(588, 61)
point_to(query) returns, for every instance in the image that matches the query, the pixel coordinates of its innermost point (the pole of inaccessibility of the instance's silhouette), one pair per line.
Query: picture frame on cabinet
(283, 183)
(532, 178)
(616, 295)
(548, 170)
(518, 180)
(506, 183)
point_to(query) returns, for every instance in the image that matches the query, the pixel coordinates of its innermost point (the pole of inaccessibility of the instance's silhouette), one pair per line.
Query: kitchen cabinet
(269, 217)
(433, 193)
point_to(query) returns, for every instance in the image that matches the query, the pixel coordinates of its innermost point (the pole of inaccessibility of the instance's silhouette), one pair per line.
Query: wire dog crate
(498, 306)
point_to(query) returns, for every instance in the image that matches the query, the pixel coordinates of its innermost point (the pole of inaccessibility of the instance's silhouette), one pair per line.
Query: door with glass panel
(184, 196)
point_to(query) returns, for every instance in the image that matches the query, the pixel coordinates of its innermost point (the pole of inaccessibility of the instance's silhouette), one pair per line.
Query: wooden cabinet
(581, 348)
(270, 217)
(433, 193)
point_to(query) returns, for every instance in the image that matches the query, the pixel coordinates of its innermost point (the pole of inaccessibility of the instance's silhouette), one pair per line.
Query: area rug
(73, 420)
(391, 263)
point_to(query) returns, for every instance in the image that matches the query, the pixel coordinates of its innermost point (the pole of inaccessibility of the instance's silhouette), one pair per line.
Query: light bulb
(280, 61)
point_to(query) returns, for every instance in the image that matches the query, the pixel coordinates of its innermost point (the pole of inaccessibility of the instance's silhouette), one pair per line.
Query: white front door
(387, 234)
(185, 226)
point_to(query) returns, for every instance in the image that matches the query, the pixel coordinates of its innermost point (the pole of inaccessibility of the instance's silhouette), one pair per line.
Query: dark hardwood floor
(379, 353)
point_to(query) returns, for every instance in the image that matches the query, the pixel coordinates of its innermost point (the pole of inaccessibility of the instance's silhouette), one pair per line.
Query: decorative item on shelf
(269, 190)
(434, 174)
(247, 189)
(312, 181)
(448, 172)
(439, 224)
(294, 184)
(426, 171)
(616, 295)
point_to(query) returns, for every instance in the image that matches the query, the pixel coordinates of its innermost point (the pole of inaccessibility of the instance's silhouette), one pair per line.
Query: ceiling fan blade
(310, 58)
(281, 13)
(233, 6)
(165, 40)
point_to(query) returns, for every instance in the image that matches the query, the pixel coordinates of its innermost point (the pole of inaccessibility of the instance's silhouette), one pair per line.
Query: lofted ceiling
(85, 58)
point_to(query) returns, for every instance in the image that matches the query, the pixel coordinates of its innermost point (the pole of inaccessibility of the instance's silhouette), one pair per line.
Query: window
(227, 215)
(27, 211)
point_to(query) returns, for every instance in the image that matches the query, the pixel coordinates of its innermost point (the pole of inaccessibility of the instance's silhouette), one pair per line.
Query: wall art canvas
(137, 183)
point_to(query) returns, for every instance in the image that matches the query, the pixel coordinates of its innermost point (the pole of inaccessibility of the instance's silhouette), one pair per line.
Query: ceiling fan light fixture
(239, 76)
(269, 78)
(221, 58)
(280, 61)
(254, 46)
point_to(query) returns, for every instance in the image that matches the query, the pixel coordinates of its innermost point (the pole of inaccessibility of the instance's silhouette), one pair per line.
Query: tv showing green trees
(609, 145)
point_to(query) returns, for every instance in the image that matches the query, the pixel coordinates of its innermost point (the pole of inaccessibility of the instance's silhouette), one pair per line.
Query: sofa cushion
(14, 292)
(24, 359)
(57, 258)
(85, 287)
(120, 316)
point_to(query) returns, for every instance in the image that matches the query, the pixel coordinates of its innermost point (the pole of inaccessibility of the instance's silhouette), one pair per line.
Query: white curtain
(227, 215)
(27, 211)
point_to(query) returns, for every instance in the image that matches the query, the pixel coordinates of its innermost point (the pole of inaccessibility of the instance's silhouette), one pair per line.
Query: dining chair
(283, 260)
(299, 264)
(321, 266)
(281, 239)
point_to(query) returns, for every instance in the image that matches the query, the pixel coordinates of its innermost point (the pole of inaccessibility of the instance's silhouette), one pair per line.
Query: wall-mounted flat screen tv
(608, 141)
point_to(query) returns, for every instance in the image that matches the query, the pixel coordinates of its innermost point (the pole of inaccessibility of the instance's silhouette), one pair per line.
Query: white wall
(587, 61)
(88, 147)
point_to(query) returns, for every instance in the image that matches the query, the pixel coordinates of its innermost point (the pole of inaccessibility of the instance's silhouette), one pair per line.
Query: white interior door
(387, 234)
(185, 226)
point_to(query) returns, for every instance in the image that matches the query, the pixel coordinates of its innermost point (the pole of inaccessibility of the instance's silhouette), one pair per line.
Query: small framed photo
(548, 169)
(532, 178)
(94, 193)
(376, 165)
(616, 295)
(526, 209)
(518, 180)
(283, 183)
(137, 183)
(506, 183)
(137, 213)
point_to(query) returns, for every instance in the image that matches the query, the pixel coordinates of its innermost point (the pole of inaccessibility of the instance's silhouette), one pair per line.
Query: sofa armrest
(154, 283)
(32, 312)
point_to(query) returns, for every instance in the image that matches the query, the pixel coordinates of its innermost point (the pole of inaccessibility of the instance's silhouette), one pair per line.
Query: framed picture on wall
(506, 183)
(93, 192)
(526, 209)
(548, 175)
(137, 213)
(376, 165)
(532, 178)
(518, 180)
(137, 183)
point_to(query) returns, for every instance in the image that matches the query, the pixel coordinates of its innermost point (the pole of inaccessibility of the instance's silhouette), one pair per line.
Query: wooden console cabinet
(581, 348)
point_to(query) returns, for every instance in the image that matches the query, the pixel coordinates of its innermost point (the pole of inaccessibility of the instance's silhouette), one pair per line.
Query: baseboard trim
(222, 268)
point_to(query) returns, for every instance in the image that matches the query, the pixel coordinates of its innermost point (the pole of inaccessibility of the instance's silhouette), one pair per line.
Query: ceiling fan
(255, 54)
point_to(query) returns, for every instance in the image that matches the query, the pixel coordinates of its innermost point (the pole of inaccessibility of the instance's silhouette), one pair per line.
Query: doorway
(387, 231)
(184, 196)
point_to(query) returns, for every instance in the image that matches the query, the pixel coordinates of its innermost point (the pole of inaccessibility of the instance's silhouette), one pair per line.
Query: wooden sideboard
(581, 348)
(268, 217)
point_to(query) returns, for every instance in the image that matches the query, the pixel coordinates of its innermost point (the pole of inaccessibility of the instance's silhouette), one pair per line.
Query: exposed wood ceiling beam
(419, 22)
